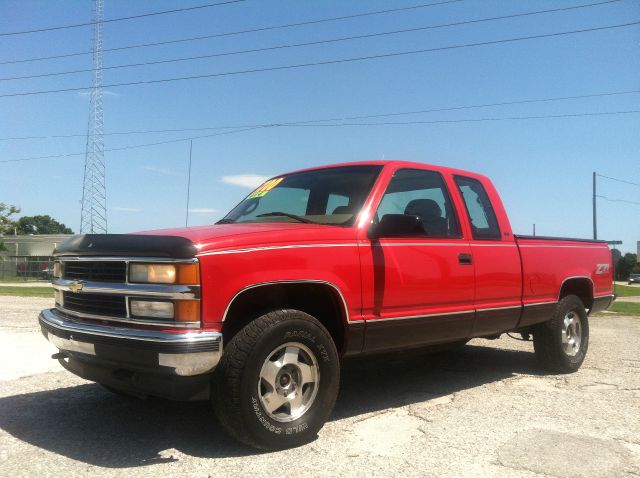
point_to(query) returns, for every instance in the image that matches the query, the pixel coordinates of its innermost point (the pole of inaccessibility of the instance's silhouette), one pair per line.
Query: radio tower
(93, 219)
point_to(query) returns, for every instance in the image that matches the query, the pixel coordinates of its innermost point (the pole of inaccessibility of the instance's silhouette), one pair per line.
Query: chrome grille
(96, 304)
(109, 271)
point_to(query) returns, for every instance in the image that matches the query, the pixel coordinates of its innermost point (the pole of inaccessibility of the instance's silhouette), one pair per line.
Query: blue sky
(542, 167)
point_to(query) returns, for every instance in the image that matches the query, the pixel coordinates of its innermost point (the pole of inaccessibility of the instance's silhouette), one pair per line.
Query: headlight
(152, 309)
(180, 310)
(164, 273)
(155, 273)
(57, 270)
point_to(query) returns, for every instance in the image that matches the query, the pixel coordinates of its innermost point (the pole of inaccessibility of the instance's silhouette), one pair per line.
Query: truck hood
(232, 236)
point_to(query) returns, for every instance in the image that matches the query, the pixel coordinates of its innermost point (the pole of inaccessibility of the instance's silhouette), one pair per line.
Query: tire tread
(228, 374)
(548, 354)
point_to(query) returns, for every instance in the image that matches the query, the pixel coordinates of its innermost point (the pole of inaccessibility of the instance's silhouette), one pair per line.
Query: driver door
(418, 288)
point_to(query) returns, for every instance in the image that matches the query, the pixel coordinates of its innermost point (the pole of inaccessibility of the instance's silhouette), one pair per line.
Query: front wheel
(561, 343)
(277, 381)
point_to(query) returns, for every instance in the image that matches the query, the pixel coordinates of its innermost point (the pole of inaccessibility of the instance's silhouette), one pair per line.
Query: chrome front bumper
(182, 353)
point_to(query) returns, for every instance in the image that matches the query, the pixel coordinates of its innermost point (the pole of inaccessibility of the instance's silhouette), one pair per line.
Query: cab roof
(395, 164)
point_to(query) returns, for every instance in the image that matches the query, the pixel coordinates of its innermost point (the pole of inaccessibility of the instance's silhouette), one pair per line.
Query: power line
(327, 62)
(120, 19)
(618, 180)
(240, 32)
(342, 118)
(302, 123)
(618, 200)
(136, 146)
(317, 42)
(472, 120)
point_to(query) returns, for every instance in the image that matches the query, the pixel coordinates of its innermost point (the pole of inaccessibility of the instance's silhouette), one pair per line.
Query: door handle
(465, 259)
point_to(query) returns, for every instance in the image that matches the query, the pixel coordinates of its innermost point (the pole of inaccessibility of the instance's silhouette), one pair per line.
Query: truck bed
(548, 263)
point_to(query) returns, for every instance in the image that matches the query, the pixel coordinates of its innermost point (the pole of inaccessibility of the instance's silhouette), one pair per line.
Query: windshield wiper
(286, 214)
(226, 221)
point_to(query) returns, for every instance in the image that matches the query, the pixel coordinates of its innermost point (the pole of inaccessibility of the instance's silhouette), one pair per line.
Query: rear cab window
(482, 217)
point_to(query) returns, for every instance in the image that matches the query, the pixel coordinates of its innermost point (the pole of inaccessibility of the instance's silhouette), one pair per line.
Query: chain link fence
(28, 258)
(25, 269)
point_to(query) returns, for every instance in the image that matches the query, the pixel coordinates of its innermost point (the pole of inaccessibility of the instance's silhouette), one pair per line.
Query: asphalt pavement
(484, 410)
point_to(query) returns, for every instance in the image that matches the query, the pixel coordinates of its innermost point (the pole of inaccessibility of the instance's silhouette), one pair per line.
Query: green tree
(6, 223)
(626, 265)
(41, 225)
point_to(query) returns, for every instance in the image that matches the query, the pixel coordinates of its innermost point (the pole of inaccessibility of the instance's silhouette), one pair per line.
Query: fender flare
(290, 281)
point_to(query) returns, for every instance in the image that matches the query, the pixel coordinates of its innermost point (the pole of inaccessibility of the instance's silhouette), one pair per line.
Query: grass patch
(627, 308)
(27, 291)
(626, 290)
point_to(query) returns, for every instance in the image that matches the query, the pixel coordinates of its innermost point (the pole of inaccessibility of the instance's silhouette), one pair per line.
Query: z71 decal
(602, 268)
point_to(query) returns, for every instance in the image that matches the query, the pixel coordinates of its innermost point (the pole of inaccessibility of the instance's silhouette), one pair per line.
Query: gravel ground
(485, 410)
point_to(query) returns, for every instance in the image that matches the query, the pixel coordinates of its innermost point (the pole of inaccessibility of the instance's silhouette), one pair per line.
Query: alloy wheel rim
(571, 334)
(288, 382)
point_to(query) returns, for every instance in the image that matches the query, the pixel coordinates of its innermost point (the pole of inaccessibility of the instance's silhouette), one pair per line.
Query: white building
(29, 256)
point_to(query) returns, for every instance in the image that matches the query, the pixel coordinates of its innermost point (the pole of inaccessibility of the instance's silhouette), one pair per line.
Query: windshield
(323, 196)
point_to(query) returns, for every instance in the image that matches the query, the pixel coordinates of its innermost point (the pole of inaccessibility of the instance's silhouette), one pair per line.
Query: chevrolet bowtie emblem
(76, 286)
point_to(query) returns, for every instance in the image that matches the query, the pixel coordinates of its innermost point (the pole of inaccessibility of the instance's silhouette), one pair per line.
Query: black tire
(548, 337)
(236, 384)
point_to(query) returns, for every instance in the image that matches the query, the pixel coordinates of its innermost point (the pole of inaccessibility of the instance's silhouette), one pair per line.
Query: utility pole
(186, 222)
(93, 218)
(595, 219)
(534, 230)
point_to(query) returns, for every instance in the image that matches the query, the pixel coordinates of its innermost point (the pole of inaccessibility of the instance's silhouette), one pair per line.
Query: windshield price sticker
(265, 188)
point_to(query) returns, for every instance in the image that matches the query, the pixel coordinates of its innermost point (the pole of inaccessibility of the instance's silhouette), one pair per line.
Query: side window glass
(424, 194)
(484, 224)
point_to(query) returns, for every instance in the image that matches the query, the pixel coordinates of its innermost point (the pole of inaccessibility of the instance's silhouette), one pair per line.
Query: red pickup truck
(257, 311)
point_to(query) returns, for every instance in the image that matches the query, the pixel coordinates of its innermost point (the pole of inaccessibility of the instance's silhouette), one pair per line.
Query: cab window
(421, 193)
(484, 224)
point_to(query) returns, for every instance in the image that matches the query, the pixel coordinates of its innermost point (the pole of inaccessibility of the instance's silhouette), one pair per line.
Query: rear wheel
(277, 381)
(562, 342)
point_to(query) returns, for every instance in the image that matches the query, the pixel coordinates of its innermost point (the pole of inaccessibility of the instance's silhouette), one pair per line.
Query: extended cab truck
(257, 311)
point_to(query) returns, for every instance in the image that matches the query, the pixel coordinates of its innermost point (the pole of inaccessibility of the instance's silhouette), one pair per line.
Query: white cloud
(163, 171)
(126, 209)
(202, 210)
(251, 181)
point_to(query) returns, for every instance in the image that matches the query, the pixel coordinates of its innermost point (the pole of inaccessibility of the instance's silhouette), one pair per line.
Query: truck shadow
(394, 380)
(89, 424)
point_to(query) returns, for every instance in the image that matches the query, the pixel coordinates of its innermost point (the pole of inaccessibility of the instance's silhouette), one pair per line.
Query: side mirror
(393, 225)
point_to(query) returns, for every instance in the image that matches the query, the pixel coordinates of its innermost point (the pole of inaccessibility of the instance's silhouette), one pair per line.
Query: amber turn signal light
(188, 274)
(187, 311)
